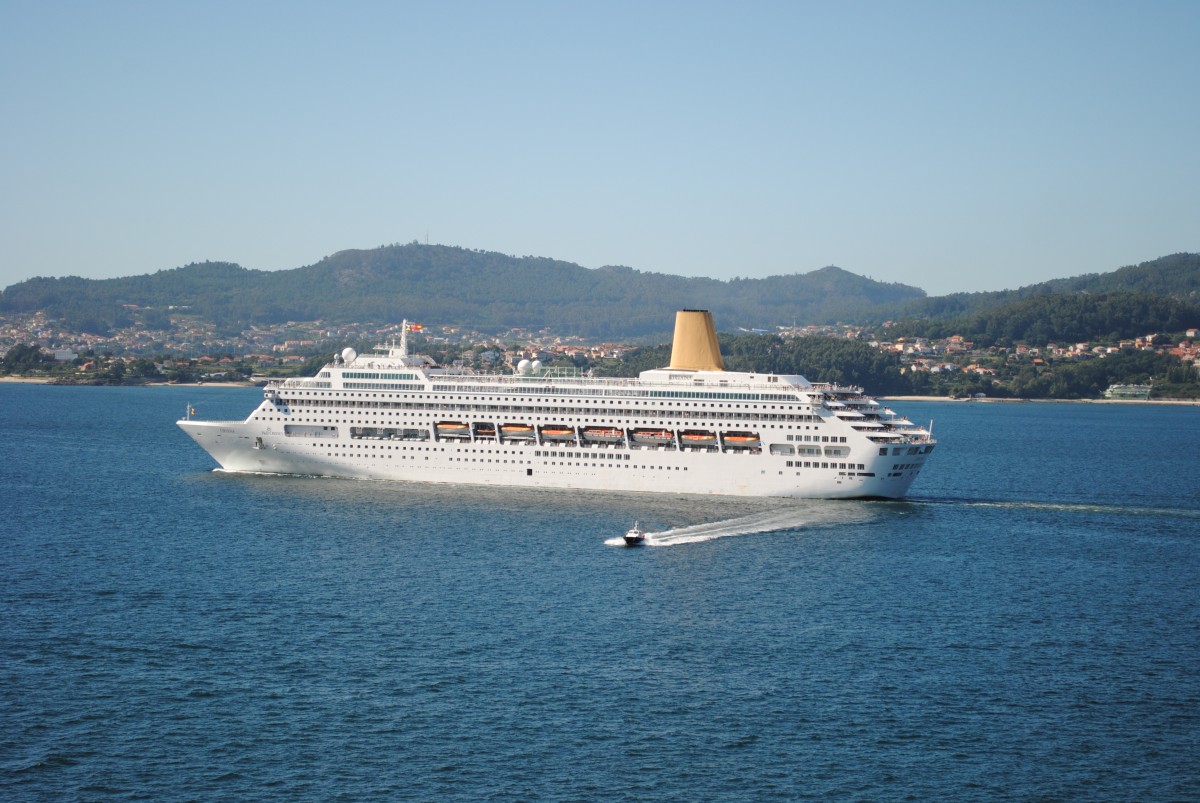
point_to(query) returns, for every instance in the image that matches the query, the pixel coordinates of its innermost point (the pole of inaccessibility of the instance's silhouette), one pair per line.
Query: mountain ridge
(458, 286)
(490, 290)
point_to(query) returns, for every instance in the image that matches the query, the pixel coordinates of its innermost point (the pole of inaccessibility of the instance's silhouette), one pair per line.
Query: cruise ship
(689, 428)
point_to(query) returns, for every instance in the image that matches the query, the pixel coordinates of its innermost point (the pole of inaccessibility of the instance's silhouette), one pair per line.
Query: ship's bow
(225, 441)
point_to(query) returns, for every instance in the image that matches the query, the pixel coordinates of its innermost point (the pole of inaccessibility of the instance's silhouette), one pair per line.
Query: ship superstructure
(691, 427)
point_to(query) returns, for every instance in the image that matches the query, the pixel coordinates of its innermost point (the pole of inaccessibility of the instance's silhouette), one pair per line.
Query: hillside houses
(260, 348)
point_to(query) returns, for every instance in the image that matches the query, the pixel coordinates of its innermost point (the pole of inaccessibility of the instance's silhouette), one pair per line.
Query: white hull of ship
(249, 447)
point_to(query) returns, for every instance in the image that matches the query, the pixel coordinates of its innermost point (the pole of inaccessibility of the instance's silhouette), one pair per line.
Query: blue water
(1025, 627)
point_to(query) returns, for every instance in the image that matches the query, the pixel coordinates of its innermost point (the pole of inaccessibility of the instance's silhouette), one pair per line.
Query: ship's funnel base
(695, 347)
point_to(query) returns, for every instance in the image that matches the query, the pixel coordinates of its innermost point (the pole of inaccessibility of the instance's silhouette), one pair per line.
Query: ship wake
(1067, 507)
(818, 514)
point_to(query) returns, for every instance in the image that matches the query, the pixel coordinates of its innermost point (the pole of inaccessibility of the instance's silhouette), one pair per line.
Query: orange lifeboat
(452, 429)
(603, 435)
(517, 431)
(557, 432)
(654, 437)
(741, 440)
(698, 438)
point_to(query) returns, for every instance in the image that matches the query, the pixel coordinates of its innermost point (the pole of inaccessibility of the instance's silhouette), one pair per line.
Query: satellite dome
(348, 354)
(523, 367)
(537, 365)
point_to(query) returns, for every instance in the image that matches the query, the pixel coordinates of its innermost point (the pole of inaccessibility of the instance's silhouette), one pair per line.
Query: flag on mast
(413, 327)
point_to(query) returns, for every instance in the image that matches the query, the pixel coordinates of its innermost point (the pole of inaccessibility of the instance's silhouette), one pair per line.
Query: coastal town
(193, 350)
(199, 349)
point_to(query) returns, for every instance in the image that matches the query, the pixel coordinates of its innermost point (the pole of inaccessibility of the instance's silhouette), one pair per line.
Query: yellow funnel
(695, 347)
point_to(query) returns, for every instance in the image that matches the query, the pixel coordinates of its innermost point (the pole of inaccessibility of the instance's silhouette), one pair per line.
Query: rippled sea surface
(1026, 626)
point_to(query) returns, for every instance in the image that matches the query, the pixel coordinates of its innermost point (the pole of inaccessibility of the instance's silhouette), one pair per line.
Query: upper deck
(382, 373)
(687, 383)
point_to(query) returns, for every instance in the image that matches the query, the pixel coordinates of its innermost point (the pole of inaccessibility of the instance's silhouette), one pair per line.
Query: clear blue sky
(948, 145)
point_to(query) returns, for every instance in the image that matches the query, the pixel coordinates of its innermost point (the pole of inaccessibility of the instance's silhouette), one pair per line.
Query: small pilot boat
(635, 537)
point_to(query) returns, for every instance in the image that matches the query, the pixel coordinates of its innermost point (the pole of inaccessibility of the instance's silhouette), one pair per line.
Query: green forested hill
(1162, 295)
(448, 285)
(1176, 277)
(1063, 318)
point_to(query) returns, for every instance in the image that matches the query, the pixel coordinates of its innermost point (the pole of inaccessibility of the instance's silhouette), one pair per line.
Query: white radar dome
(537, 365)
(523, 367)
(348, 354)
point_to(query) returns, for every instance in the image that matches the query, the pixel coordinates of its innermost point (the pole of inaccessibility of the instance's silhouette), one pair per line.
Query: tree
(115, 372)
(143, 368)
(25, 357)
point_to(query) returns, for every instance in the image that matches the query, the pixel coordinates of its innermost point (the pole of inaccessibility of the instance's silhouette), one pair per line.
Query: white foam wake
(1067, 507)
(790, 518)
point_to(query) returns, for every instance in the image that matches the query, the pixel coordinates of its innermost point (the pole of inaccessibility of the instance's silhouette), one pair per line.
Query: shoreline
(50, 380)
(1183, 402)
(27, 380)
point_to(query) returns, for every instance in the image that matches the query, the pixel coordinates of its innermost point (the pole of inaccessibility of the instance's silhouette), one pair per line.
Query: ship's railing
(562, 383)
(843, 392)
(543, 376)
(462, 375)
(319, 384)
